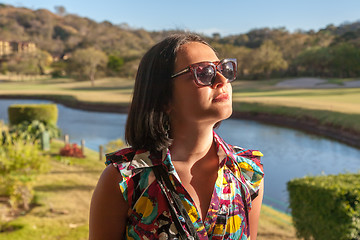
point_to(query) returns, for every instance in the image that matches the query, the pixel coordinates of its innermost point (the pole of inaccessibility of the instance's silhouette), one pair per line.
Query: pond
(287, 153)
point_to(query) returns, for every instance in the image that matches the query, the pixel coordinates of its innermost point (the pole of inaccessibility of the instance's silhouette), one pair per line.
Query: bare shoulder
(108, 209)
(110, 177)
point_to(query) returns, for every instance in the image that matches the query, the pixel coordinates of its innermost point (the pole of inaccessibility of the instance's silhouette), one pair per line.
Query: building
(5, 48)
(22, 47)
(11, 47)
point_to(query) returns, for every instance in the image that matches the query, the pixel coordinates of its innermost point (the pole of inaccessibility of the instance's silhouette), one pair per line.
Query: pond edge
(308, 125)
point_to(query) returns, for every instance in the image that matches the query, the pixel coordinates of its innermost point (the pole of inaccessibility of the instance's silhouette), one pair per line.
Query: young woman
(179, 179)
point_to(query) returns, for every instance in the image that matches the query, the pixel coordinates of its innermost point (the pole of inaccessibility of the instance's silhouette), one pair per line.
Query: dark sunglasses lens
(205, 74)
(228, 70)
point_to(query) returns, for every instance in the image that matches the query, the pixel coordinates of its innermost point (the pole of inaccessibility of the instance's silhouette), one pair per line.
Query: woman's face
(193, 104)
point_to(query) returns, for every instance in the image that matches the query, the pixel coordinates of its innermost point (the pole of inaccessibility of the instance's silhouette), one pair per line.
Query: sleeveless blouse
(239, 176)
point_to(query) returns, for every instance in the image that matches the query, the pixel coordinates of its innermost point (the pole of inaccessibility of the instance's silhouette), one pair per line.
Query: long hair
(147, 118)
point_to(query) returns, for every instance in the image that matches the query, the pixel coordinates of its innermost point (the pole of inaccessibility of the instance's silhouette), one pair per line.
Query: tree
(115, 63)
(43, 60)
(31, 63)
(314, 61)
(266, 59)
(22, 64)
(60, 10)
(216, 36)
(87, 61)
(345, 60)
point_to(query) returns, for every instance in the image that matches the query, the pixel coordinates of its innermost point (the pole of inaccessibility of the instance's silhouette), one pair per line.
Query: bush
(58, 69)
(326, 207)
(20, 191)
(34, 130)
(71, 151)
(20, 162)
(47, 113)
(114, 145)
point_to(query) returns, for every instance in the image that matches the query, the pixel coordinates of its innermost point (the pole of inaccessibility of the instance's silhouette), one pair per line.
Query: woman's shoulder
(249, 163)
(254, 155)
(120, 156)
(132, 162)
(134, 159)
(246, 152)
(239, 152)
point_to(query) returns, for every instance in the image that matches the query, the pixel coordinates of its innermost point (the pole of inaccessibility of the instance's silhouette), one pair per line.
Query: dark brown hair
(145, 125)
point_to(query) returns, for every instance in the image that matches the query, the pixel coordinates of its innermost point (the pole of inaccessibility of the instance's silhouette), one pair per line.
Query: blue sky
(208, 16)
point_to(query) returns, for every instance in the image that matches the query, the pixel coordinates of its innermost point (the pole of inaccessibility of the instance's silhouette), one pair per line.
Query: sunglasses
(205, 72)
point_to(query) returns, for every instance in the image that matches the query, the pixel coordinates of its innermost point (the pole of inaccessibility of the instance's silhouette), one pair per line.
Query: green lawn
(63, 198)
(338, 100)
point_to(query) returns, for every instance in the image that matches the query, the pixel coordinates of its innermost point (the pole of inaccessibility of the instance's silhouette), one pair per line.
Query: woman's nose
(220, 80)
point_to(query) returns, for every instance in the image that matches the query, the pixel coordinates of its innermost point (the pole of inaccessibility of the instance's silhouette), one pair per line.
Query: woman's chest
(221, 202)
(200, 189)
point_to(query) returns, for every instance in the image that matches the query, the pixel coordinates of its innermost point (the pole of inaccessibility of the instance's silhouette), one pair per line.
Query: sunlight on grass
(339, 100)
(275, 225)
(106, 90)
(64, 196)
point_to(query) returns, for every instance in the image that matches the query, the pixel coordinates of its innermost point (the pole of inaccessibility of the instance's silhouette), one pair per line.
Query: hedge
(326, 207)
(47, 113)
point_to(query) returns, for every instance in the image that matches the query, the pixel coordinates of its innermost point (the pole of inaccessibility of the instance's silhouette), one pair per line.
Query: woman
(179, 179)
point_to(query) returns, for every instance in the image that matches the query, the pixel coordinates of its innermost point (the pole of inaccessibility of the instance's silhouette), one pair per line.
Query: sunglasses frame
(192, 68)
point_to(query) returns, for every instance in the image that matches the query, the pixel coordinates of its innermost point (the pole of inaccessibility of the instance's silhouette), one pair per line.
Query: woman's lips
(223, 97)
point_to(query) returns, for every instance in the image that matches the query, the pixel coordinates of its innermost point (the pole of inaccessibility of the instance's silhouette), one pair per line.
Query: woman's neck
(191, 142)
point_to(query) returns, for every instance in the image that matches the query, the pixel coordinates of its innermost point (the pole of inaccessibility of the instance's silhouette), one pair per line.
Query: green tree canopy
(115, 63)
(86, 62)
(314, 61)
(345, 60)
(267, 58)
(29, 63)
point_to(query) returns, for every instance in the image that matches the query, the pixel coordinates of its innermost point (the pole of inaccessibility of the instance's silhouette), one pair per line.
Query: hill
(263, 52)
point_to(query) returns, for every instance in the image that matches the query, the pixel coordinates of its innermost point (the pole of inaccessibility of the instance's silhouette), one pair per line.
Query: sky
(226, 17)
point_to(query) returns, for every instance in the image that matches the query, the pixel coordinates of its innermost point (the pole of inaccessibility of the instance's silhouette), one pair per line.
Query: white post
(66, 139)
(83, 146)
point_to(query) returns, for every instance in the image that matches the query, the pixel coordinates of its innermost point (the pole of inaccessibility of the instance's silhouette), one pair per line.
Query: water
(287, 153)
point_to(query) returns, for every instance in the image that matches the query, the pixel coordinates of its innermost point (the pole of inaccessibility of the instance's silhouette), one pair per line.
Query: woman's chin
(223, 112)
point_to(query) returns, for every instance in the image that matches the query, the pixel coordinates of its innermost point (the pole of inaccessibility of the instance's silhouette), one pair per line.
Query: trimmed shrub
(326, 207)
(47, 113)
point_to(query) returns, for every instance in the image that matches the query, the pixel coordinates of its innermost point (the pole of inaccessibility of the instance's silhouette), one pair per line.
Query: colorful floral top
(239, 176)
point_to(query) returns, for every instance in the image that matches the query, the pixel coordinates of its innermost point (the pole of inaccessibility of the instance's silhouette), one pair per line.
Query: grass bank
(343, 127)
(63, 197)
(333, 112)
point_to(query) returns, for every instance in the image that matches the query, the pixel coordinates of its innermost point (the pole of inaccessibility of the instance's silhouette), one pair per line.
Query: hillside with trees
(65, 40)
